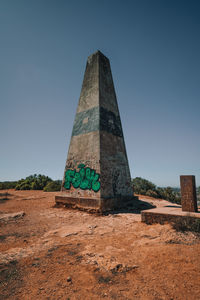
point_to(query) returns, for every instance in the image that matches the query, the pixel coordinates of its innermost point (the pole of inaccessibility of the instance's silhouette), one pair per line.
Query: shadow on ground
(4, 197)
(135, 206)
(175, 206)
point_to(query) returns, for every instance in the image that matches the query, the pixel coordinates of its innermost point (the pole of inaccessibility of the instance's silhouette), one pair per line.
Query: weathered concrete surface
(97, 174)
(163, 215)
(188, 193)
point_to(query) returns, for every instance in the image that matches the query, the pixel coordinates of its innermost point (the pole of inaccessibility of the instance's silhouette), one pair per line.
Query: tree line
(140, 186)
(144, 187)
(33, 182)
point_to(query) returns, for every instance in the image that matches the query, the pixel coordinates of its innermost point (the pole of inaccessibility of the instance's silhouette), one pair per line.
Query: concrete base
(98, 205)
(163, 215)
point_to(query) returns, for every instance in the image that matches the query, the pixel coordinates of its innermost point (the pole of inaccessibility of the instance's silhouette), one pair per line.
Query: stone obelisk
(97, 175)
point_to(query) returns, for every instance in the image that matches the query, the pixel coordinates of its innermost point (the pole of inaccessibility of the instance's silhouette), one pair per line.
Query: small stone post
(188, 193)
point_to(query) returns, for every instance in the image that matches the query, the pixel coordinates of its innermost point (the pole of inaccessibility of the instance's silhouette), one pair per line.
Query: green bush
(53, 186)
(169, 194)
(141, 185)
(8, 185)
(153, 194)
(33, 182)
(145, 187)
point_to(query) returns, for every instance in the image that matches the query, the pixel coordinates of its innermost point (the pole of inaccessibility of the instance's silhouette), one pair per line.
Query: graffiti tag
(85, 179)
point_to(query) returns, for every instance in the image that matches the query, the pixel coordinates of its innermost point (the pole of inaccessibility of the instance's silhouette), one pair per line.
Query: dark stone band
(91, 120)
(109, 122)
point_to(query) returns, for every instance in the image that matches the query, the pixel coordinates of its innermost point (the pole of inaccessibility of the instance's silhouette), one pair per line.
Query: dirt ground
(55, 253)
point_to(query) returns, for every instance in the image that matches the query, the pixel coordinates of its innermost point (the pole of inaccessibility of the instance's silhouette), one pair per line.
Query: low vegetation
(140, 186)
(145, 187)
(53, 186)
(8, 185)
(33, 182)
(187, 224)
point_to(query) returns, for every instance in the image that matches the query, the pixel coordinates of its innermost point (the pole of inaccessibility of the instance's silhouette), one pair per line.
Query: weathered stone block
(162, 215)
(188, 193)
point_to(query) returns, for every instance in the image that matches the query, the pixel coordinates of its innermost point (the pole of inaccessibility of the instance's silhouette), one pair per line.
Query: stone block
(162, 215)
(188, 193)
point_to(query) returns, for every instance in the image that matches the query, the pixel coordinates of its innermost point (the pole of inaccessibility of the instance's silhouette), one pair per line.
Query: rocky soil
(55, 253)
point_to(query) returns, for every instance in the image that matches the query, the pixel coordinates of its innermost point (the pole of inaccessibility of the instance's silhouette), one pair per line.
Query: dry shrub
(187, 224)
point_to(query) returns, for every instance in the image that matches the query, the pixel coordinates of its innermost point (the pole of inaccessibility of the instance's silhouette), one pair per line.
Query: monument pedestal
(98, 205)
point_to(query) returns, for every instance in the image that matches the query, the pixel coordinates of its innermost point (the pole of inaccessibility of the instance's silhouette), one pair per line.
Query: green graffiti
(85, 179)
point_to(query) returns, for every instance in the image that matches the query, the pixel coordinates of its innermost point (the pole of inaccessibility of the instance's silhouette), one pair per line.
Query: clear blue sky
(154, 50)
